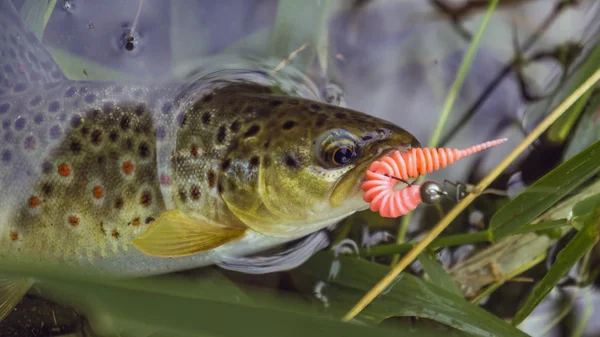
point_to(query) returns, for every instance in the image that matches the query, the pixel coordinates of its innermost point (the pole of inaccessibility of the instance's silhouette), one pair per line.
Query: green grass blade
(583, 241)
(409, 296)
(561, 129)
(35, 14)
(436, 273)
(536, 199)
(202, 305)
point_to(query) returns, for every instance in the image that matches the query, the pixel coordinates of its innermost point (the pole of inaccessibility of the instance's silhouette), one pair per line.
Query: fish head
(310, 159)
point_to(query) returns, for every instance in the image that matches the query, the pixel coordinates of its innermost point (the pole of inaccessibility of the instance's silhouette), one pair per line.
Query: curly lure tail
(382, 176)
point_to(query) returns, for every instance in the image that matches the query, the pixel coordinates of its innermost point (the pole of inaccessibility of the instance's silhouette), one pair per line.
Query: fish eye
(337, 148)
(343, 155)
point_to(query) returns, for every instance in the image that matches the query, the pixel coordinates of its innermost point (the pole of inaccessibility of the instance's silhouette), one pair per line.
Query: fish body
(132, 179)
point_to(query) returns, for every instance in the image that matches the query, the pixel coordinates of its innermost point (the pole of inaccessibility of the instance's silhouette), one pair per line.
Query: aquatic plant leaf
(35, 14)
(588, 129)
(560, 131)
(77, 68)
(583, 241)
(537, 198)
(343, 280)
(436, 273)
(204, 304)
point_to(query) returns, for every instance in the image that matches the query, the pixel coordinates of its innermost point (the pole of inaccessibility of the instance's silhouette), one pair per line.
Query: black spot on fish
(76, 121)
(205, 118)
(220, 187)
(182, 195)
(6, 156)
(290, 161)
(4, 107)
(195, 192)
(146, 198)
(70, 92)
(119, 203)
(20, 87)
(96, 137)
(125, 123)
(144, 150)
(90, 98)
(8, 69)
(149, 220)
(38, 118)
(6, 124)
(254, 161)
(340, 115)
(55, 132)
(225, 164)
(314, 108)
(288, 125)
(211, 177)
(53, 106)
(235, 126)
(320, 121)
(113, 136)
(275, 103)
(85, 131)
(252, 131)
(20, 123)
(46, 167)
(75, 146)
(100, 160)
(46, 189)
(221, 134)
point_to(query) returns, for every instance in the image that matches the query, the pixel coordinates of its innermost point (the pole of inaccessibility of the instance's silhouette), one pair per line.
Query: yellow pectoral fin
(12, 291)
(174, 234)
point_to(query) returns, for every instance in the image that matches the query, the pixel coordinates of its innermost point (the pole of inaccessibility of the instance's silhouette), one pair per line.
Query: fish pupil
(344, 155)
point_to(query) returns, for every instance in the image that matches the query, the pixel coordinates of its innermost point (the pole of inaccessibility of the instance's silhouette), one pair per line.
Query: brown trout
(136, 180)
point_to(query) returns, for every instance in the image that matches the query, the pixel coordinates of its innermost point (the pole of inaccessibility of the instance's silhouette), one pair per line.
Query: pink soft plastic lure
(383, 175)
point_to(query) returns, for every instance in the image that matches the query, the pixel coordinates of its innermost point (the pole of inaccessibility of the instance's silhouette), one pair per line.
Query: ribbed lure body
(383, 174)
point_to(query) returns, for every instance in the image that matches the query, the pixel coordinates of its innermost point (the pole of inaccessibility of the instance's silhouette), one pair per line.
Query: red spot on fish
(73, 220)
(64, 170)
(14, 236)
(136, 222)
(21, 68)
(98, 191)
(127, 167)
(115, 234)
(165, 180)
(194, 150)
(30, 143)
(34, 202)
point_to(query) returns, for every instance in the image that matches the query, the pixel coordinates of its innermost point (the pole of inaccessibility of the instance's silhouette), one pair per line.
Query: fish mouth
(348, 186)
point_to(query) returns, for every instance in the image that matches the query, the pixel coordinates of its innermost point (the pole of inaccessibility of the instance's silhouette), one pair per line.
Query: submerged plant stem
(454, 212)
